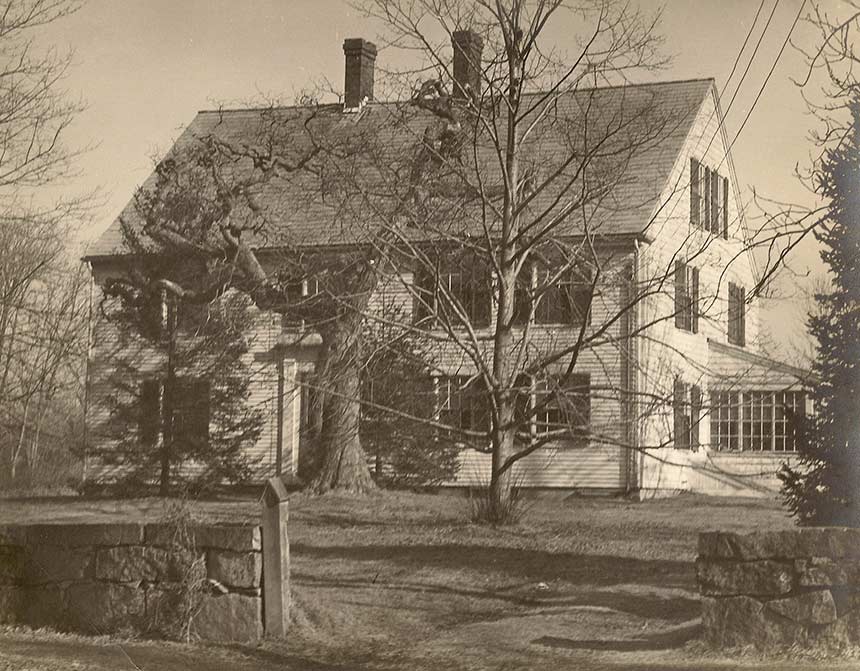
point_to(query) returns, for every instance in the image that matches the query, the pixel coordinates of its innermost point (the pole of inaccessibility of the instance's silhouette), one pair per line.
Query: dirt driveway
(402, 581)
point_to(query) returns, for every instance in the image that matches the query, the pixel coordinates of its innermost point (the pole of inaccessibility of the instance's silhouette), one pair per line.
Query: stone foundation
(778, 589)
(106, 578)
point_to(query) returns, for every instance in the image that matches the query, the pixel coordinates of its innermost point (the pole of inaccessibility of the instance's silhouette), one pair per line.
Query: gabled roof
(297, 214)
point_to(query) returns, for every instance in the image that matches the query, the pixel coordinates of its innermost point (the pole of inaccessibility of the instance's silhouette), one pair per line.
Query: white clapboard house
(722, 426)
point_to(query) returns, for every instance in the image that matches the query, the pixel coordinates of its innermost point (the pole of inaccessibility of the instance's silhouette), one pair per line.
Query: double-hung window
(457, 290)
(554, 295)
(463, 403)
(190, 417)
(563, 407)
(686, 297)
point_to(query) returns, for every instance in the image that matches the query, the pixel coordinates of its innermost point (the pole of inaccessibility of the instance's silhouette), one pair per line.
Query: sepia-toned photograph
(392, 335)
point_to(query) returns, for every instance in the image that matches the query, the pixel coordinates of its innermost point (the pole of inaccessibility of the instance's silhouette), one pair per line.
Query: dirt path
(399, 582)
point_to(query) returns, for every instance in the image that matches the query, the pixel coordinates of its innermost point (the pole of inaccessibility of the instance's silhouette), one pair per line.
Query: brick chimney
(360, 57)
(468, 50)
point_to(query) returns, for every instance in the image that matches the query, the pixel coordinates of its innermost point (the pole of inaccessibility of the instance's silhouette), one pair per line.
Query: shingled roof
(298, 216)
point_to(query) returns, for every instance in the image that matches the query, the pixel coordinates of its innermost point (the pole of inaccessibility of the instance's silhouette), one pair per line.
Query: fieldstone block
(135, 562)
(51, 564)
(815, 607)
(739, 621)
(78, 535)
(230, 617)
(826, 572)
(161, 606)
(239, 538)
(104, 607)
(11, 600)
(755, 578)
(44, 606)
(11, 565)
(229, 537)
(236, 569)
(809, 542)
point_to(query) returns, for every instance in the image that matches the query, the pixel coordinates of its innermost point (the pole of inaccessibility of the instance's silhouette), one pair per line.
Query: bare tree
(41, 293)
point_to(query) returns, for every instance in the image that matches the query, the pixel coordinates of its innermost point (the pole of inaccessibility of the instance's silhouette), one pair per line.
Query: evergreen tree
(181, 414)
(825, 487)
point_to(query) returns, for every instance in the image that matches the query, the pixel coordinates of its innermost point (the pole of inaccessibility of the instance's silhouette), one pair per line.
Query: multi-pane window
(687, 412)
(725, 420)
(463, 403)
(453, 289)
(556, 296)
(563, 406)
(757, 421)
(737, 315)
(709, 197)
(686, 297)
(563, 298)
(297, 293)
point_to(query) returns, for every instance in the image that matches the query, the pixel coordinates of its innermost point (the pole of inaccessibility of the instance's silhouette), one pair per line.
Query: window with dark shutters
(737, 315)
(149, 412)
(686, 297)
(709, 197)
(687, 412)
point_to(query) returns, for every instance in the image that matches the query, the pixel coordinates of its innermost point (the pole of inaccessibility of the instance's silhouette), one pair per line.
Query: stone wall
(783, 588)
(106, 578)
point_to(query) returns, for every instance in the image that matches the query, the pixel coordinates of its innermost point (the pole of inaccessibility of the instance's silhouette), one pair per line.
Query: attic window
(709, 198)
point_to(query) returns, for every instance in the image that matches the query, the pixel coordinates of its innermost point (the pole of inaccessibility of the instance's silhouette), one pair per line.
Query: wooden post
(276, 560)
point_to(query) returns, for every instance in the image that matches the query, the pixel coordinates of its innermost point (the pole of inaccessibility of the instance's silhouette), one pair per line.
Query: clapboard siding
(580, 468)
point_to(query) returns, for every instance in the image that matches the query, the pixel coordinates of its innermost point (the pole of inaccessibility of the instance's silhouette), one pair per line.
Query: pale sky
(144, 68)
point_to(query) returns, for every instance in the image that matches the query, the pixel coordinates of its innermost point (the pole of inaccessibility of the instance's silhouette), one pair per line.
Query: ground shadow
(659, 641)
(537, 565)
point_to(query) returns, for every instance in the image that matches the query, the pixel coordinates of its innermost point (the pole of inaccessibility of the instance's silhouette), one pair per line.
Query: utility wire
(752, 58)
(766, 79)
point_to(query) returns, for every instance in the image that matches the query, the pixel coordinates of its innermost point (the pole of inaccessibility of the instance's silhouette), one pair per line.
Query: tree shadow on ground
(673, 608)
(659, 641)
(537, 565)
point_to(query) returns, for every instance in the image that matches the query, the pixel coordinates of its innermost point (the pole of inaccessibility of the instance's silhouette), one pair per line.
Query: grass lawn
(404, 581)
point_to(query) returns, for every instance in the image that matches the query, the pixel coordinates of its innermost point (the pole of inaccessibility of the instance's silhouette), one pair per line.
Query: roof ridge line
(258, 108)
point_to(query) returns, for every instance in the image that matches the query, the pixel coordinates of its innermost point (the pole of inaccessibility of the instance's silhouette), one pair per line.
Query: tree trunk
(343, 461)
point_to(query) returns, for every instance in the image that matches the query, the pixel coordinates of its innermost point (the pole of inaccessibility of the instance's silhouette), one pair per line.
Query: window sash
(755, 421)
(469, 286)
